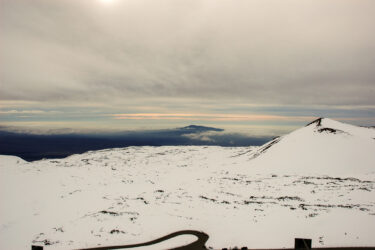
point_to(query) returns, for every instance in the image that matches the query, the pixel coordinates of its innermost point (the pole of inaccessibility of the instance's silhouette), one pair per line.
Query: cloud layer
(295, 52)
(176, 56)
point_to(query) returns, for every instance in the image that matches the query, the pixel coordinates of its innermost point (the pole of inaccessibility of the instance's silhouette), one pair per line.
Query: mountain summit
(323, 146)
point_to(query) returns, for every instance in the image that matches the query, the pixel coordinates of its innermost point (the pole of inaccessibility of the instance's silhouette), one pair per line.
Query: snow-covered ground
(317, 182)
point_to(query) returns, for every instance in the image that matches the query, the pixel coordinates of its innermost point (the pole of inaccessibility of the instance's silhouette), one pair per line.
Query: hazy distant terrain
(317, 182)
(32, 147)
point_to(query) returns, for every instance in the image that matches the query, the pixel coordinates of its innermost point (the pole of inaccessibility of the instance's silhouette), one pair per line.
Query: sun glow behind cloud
(107, 1)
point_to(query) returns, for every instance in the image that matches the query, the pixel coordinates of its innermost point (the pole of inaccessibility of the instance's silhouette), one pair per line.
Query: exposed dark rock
(116, 231)
(317, 121)
(330, 130)
(206, 198)
(109, 212)
(293, 198)
(267, 146)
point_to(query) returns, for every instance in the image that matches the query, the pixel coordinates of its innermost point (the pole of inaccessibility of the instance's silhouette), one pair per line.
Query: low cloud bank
(38, 146)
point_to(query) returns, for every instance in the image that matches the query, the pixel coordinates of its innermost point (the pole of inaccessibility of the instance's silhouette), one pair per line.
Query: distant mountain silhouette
(32, 147)
(197, 128)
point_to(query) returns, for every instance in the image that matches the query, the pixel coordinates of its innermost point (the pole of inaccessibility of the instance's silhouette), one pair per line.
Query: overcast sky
(127, 64)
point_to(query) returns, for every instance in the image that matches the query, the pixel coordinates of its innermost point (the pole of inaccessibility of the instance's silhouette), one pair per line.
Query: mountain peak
(197, 128)
(318, 122)
(324, 145)
(326, 123)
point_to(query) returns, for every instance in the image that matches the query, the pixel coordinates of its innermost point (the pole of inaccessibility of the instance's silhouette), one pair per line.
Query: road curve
(196, 245)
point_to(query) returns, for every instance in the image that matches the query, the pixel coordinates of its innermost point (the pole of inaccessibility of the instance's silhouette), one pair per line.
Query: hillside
(317, 182)
(324, 146)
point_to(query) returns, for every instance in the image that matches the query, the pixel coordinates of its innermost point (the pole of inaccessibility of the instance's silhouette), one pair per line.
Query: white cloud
(24, 112)
(278, 52)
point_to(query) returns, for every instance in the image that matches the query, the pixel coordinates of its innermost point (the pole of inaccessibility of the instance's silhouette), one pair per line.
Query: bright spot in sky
(107, 1)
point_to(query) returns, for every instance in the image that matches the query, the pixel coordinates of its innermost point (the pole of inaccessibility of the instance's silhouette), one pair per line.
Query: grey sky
(187, 56)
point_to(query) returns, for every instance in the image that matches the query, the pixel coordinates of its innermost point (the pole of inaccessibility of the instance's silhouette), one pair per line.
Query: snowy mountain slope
(10, 160)
(136, 194)
(324, 146)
